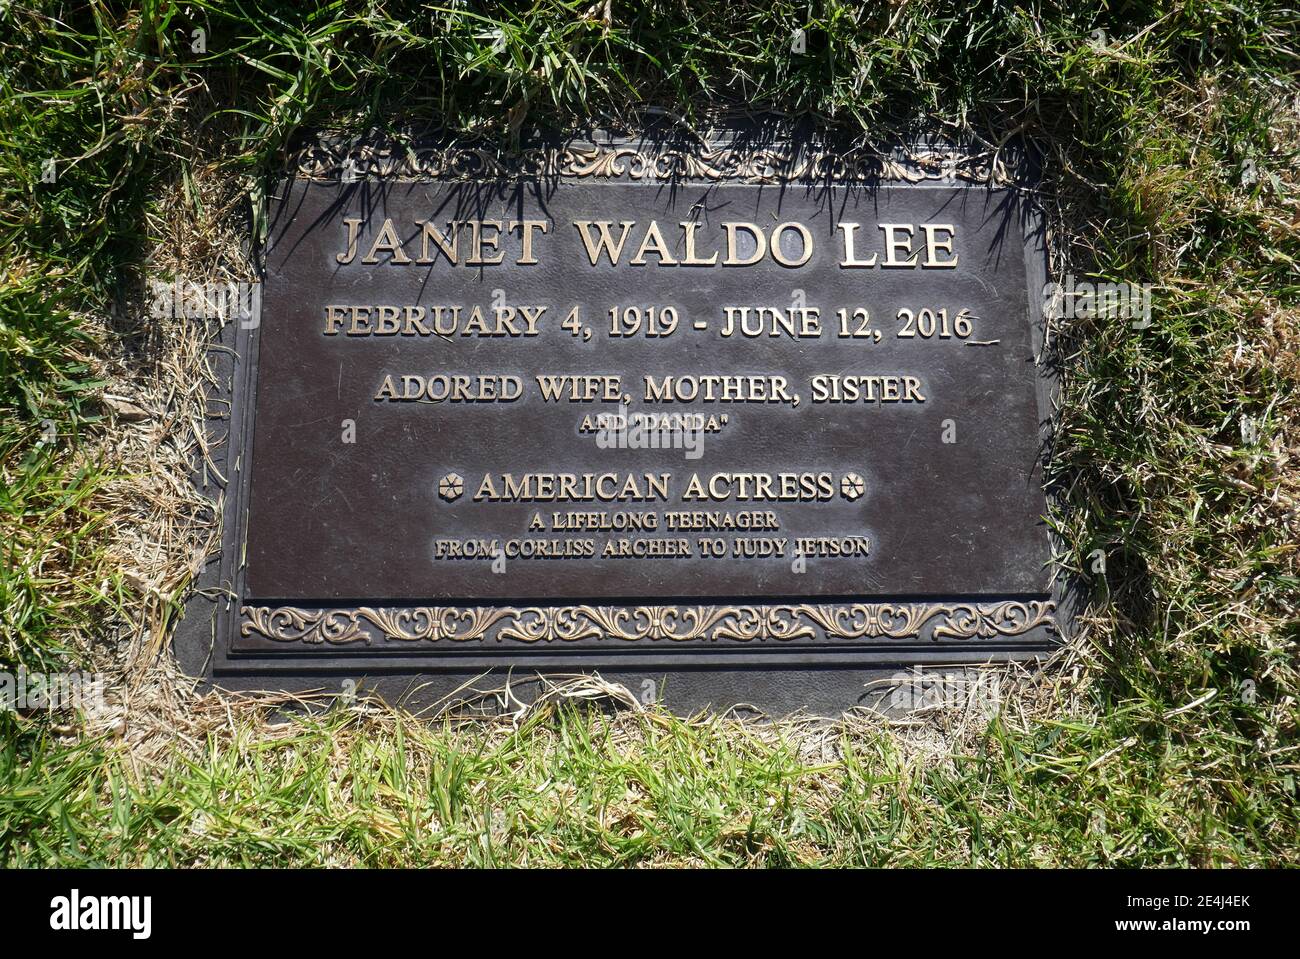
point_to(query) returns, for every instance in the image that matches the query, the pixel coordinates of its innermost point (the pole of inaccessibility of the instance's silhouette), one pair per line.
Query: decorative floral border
(336, 159)
(567, 624)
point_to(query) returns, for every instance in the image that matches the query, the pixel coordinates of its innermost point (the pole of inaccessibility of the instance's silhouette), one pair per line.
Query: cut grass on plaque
(136, 138)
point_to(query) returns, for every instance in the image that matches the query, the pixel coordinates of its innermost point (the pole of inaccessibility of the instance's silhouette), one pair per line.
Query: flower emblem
(451, 486)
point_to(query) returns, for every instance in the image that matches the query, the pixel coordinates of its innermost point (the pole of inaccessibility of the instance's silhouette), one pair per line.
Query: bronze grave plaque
(722, 418)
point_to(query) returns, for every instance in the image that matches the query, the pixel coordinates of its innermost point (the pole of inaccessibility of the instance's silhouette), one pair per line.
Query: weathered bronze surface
(548, 409)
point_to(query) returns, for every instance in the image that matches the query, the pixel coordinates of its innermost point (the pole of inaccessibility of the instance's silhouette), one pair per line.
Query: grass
(1167, 735)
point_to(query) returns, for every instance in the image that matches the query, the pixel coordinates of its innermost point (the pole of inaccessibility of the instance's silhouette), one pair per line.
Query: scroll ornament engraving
(566, 624)
(344, 160)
